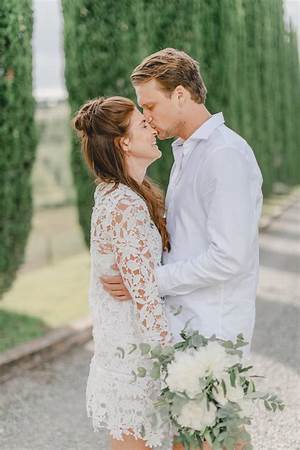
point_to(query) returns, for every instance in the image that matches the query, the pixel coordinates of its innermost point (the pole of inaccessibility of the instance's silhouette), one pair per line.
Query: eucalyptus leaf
(267, 406)
(207, 437)
(232, 378)
(134, 347)
(216, 446)
(227, 344)
(122, 351)
(155, 371)
(134, 377)
(156, 351)
(244, 436)
(141, 372)
(222, 436)
(245, 369)
(224, 387)
(254, 395)
(248, 447)
(144, 348)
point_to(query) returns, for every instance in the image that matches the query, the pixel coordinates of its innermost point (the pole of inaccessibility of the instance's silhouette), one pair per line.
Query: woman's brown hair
(102, 123)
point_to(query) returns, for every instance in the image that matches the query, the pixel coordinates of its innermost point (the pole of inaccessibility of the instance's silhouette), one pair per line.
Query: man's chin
(163, 135)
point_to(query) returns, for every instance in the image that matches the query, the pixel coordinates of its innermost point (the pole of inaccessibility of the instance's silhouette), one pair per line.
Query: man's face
(159, 108)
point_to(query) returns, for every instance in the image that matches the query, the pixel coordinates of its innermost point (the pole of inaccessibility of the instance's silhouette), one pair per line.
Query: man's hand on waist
(113, 284)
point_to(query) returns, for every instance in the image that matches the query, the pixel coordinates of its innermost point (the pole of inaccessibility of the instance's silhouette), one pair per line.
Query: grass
(57, 293)
(19, 328)
(49, 297)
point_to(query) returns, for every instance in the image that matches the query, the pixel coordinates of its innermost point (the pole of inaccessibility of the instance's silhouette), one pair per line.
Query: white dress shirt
(213, 202)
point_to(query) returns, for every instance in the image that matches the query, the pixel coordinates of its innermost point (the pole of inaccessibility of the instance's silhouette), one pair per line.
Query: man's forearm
(208, 269)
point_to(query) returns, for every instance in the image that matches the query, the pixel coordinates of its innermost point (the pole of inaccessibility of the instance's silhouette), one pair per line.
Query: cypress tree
(255, 94)
(17, 135)
(170, 28)
(100, 49)
(291, 109)
(247, 57)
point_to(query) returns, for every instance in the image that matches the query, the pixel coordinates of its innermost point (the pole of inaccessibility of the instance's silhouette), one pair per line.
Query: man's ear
(180, 94)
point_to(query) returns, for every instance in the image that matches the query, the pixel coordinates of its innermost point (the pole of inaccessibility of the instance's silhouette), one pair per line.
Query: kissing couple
(158, 261)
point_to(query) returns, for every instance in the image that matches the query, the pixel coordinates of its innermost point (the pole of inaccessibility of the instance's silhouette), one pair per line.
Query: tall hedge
(98, 36)
(17, 135)
(248, 57)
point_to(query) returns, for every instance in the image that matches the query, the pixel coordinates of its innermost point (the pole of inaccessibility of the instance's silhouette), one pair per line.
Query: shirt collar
(202, 133)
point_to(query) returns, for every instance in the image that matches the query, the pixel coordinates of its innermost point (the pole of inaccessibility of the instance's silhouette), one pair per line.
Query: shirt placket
(174, 177)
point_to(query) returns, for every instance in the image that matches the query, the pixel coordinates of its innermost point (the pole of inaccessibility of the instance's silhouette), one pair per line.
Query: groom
(213, 204)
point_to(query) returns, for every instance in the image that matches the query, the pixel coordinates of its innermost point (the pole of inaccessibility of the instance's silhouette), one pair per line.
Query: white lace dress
(122, 232)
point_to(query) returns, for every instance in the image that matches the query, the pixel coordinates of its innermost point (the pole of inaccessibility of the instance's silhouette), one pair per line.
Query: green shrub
(17, 135)
(248, 58)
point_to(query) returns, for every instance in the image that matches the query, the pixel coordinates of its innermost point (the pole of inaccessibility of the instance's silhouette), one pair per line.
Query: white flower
(188, 367)
(195, 415)
(213, 358)
(184, 373)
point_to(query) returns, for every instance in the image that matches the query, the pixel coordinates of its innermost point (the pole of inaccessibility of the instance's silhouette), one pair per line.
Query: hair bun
(83, 120)
(78, 122)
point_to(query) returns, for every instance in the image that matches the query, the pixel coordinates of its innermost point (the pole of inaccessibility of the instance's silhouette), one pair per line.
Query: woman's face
(142, 139)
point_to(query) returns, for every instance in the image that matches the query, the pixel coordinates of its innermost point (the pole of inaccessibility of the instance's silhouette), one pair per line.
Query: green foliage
(19, 328)
(248, 58)
(101, 51)
(229, 424)
(17, 135)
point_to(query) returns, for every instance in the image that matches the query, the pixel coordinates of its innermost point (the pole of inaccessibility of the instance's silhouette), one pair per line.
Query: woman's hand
(113, 284)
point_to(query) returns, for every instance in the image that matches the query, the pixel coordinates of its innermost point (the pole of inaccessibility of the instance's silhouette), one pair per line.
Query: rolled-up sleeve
(228, 196)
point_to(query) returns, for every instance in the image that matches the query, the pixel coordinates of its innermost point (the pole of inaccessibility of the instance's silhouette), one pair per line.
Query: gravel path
(45, 408)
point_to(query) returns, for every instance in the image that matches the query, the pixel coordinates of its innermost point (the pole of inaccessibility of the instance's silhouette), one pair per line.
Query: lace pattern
(122, 232)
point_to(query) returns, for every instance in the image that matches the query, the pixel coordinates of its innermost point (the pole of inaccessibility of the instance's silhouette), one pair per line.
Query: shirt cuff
(161, 280)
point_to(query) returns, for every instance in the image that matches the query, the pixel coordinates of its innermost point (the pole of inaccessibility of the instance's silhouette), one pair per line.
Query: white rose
(188, 367)
(184, 373)
(195, 415)
(210, 415)
(214, 359)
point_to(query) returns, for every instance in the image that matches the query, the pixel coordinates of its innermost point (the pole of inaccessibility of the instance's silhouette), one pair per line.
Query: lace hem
(121, 408)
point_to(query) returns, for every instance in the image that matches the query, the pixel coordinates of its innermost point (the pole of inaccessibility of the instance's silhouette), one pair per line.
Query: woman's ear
(124, 143)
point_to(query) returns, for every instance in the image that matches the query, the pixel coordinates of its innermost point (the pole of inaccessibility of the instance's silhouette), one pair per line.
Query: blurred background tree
(248, 58)
(101, 47)
(248, 54)
(17, 135)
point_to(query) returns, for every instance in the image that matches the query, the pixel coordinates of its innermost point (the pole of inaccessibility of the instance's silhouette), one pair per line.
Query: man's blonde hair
(171, 68)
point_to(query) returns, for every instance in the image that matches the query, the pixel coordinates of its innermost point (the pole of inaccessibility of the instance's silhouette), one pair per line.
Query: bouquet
(207, 392)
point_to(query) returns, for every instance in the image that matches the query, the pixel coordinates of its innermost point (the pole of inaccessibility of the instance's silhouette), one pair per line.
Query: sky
(48, 55)
(48, 58)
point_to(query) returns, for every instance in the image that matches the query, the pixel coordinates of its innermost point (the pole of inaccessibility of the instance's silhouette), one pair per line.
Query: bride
(128, 229)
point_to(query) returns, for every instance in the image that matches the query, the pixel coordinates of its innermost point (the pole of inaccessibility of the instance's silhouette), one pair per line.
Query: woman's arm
(136, 263)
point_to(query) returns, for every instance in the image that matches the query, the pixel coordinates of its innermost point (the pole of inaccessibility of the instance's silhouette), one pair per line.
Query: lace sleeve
(129, 225)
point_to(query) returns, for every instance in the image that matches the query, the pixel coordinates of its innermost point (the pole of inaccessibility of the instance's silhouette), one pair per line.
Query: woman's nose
(154, 131)
(148, 117)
